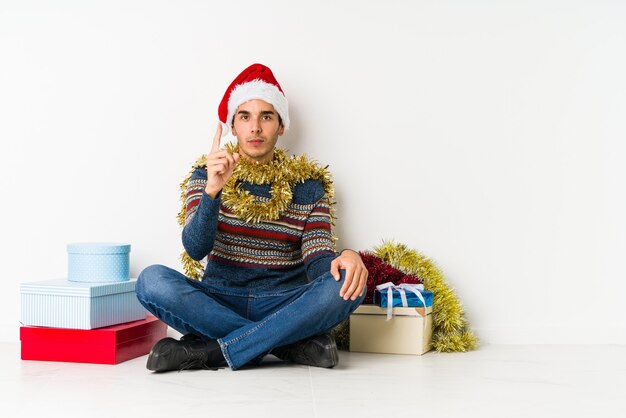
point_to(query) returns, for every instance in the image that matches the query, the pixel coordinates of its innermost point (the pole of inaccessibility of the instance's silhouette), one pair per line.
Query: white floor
(495, 381)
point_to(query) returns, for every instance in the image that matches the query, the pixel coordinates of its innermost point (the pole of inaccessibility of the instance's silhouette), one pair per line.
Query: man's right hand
(219, 165)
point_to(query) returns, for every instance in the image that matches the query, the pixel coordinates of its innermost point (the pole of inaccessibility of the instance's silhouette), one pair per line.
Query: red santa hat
(255, 82)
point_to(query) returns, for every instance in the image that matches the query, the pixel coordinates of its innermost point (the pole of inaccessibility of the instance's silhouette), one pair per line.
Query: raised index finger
(216, 139)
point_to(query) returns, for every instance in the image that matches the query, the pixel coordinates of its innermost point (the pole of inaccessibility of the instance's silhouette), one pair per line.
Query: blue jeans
(247, 323)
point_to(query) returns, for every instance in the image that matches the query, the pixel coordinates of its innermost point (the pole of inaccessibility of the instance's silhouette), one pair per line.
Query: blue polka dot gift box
(60, 303)
(98, 262)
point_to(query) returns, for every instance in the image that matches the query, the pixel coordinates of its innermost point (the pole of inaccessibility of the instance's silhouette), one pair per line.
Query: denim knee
(333, 302)
(353, 304)
(152, 282)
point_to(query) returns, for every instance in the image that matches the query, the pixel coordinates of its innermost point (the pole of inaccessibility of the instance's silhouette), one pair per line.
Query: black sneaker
(318, 351)
(170, 354)
(190, 337)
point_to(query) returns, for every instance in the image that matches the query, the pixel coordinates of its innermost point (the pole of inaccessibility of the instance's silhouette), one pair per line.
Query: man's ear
(281, 130)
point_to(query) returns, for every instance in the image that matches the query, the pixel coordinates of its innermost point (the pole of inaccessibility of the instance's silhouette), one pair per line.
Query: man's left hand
(356, 274)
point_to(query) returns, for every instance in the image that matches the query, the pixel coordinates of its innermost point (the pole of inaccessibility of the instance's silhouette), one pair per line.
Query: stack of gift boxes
(399, 321)
(93, 316)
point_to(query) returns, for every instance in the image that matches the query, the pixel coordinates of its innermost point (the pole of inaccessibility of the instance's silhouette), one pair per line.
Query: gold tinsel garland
(282, 173)
(450, 328)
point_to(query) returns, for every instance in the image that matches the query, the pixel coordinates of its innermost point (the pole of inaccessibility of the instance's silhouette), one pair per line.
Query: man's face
(257, 129)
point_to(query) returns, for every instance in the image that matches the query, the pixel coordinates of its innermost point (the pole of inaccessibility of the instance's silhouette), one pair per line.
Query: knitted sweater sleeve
(318, 245)
(201, 215)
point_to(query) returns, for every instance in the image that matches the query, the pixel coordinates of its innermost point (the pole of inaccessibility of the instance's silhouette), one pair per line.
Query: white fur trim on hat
(258, 89)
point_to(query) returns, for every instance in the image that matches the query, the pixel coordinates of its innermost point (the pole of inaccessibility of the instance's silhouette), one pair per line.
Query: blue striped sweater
(287, 252)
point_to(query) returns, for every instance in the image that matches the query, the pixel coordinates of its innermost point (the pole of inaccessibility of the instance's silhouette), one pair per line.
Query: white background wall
(487, 134)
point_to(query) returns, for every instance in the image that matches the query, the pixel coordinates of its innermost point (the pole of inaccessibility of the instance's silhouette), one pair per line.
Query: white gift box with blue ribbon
(60, 303)
(394, 329)
(98, 262)
(408, 331)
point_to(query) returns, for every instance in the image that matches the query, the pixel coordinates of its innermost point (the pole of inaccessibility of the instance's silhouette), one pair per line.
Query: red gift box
(106, 345)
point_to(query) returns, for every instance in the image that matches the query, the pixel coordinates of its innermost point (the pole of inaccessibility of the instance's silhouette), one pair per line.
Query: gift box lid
(64, 287)
(401, 311)
(98, 248)
(115, 334)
